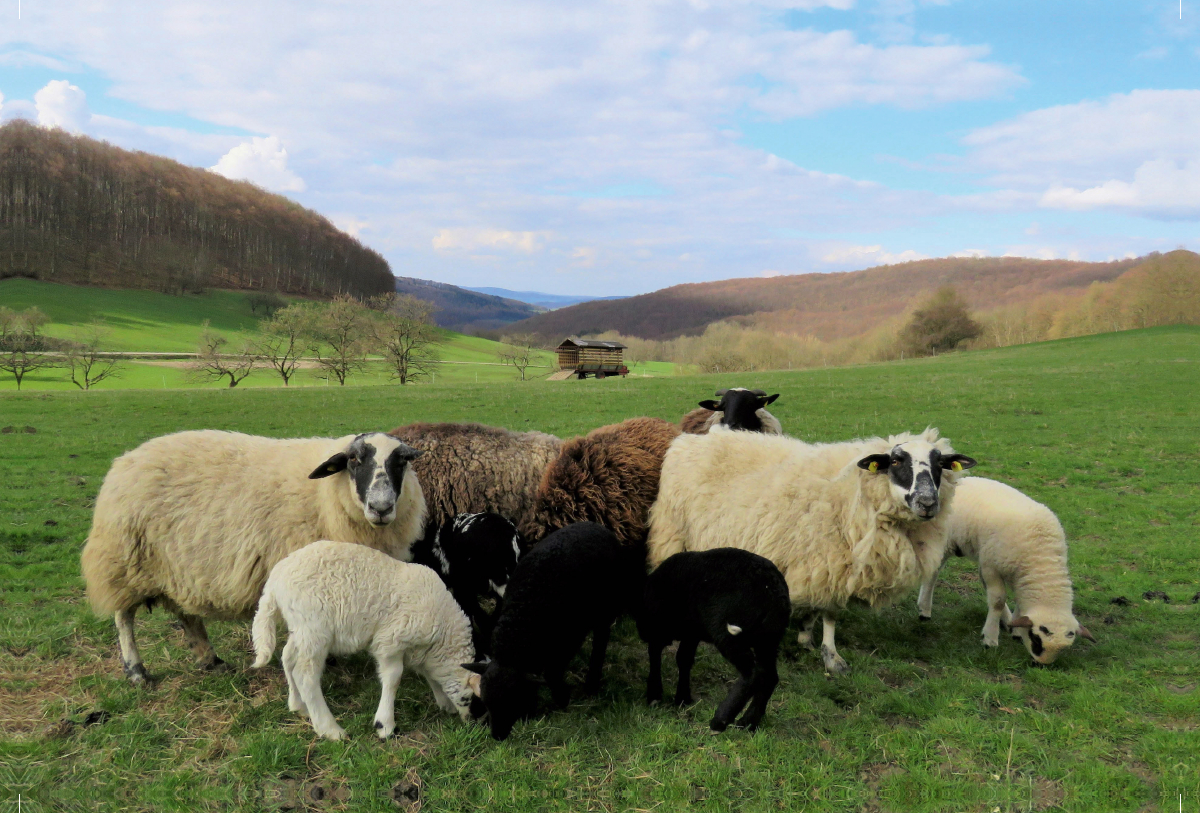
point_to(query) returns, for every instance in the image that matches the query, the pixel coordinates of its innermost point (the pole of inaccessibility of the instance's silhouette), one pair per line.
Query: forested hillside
(77, 210)
(826, 306)
(464, 310)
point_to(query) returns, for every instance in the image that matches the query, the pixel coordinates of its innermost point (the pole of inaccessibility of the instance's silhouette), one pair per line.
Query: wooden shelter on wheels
(584, 357)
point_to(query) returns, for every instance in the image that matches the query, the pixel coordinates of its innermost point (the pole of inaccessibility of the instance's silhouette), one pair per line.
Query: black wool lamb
(577, 580)
(732, 598)
(475, 554)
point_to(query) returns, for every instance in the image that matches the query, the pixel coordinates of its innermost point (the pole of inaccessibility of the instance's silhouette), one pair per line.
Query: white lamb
(1018, 543)
(861, 520)
(338, 598)
(196, 520)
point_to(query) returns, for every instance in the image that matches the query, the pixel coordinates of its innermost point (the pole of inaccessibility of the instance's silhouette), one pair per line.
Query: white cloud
(872, 255)
(350, 224)
(1161, 186)
(527, 242)
(61, 104)
(584, 256)
(971, 252)
(261, 161)
(28, 59)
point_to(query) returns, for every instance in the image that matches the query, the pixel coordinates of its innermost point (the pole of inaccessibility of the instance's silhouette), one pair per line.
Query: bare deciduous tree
(344, 335)
(285, 339)
(86, 357)
(407, 336)
(520, 351)
(213, 364)
(22, 349)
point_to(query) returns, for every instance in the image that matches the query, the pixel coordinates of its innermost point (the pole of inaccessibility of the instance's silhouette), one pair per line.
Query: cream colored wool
(837, 532)
(195, 521)
(339, 598)
(1019, 544)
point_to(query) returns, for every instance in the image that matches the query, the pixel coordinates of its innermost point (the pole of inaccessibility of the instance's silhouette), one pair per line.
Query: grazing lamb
(196, 520)
(577, 580)
(1018, 543)
(732, 598)
(739, 408)
(469, 468)
(340, 598)
(475, 555)
(608, 476)
(857, 520)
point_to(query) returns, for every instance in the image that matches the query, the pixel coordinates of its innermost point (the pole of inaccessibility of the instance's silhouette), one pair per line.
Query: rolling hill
(542, 300)
(827, 306)
(464, 310)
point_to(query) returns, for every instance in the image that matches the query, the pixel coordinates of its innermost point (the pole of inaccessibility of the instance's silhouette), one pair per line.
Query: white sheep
(1018, 543)
(859, 520)
(195, 521)
(338, 598)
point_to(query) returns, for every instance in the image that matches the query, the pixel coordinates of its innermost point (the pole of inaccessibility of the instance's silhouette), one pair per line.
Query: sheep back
(469, 468)
(198, 519)
(609, 476)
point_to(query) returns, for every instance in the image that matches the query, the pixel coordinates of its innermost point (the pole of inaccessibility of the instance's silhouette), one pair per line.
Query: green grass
(1103, 429)
(148, 321)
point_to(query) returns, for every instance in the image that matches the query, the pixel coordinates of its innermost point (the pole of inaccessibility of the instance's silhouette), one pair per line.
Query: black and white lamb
(577, 580)
(732, 598)
(475, 555)
(739, 408)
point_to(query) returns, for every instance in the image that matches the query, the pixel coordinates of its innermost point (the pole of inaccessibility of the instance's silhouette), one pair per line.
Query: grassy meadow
(152, 322)
(1103, 429)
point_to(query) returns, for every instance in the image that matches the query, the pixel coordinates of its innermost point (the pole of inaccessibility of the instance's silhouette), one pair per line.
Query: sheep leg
(835, 664)
(307, 673)
(684, 658)
(391, 669)
(197, 640)
(996, 605)
(439, 694)
(295, 703)
(596, 661)
(925, 598)
(764, 680)
(805, 638)
(654, 680)
(735, 699)
(131, 659)
(560, 692)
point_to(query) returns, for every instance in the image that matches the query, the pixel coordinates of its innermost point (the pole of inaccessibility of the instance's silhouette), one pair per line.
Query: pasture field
(1103, 429)
(149, 321)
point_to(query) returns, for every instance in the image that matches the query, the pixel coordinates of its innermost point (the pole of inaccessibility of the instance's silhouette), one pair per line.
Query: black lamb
(732, 598)
(475, 554)
(577, 580)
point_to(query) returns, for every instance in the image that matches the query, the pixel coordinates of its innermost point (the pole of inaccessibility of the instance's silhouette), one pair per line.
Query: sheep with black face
(861, 520)
(739, 408)
(195, 521)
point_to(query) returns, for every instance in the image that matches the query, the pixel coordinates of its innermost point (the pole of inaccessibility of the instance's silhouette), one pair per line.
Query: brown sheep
(609, 476)
(469, 468)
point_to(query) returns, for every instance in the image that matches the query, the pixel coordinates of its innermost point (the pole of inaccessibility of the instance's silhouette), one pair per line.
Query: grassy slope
(148, 321)
(1103, 429)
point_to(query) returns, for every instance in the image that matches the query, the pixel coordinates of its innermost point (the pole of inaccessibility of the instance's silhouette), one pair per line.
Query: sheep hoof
(685, 700)
(717, 726)
(990, 642)
(334, 734)
(138, 676)
(924, 617)
(382, 731)
(835, 664)
(214, 664)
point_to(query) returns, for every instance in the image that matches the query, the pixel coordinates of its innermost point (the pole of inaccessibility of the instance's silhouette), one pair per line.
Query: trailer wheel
(601, 374)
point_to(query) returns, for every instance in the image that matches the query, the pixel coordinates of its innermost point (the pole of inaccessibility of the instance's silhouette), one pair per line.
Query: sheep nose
(380, 507)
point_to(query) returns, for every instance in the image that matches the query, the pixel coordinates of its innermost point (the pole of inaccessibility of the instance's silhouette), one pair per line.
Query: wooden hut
(584, 357)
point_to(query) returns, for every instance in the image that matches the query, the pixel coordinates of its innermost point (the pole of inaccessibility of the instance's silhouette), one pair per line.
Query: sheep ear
(770, 399)
(957, 462)
(331, 466)
(409, 453)
(478, 668)
(1023, 622)
(1083, 633)
(473, 683)
(711, 404)
(719, 393)
(875, 463)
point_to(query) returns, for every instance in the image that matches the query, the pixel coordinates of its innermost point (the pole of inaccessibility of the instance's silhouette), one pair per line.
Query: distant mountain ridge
(827, 306)
(464, 310)
(542, 300)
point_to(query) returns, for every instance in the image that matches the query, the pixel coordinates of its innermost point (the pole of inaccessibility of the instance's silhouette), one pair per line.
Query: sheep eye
(1045, 631)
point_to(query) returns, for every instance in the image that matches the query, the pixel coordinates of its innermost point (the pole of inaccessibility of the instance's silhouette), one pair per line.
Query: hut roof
(575, 341)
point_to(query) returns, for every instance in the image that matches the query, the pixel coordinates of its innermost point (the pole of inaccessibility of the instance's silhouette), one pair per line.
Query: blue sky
(620, 147)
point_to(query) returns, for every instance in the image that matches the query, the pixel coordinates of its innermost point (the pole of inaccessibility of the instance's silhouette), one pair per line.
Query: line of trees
(24, 349)
(77, 210)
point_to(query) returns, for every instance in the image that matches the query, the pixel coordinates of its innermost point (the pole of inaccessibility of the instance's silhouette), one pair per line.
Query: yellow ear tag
(956, 466)
(873, 467)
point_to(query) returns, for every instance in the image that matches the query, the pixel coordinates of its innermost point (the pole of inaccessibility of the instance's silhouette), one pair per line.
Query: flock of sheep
(387, 542)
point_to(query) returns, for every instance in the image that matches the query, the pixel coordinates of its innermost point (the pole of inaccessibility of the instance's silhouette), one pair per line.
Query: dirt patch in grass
(36, 685)
(1046, 793)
